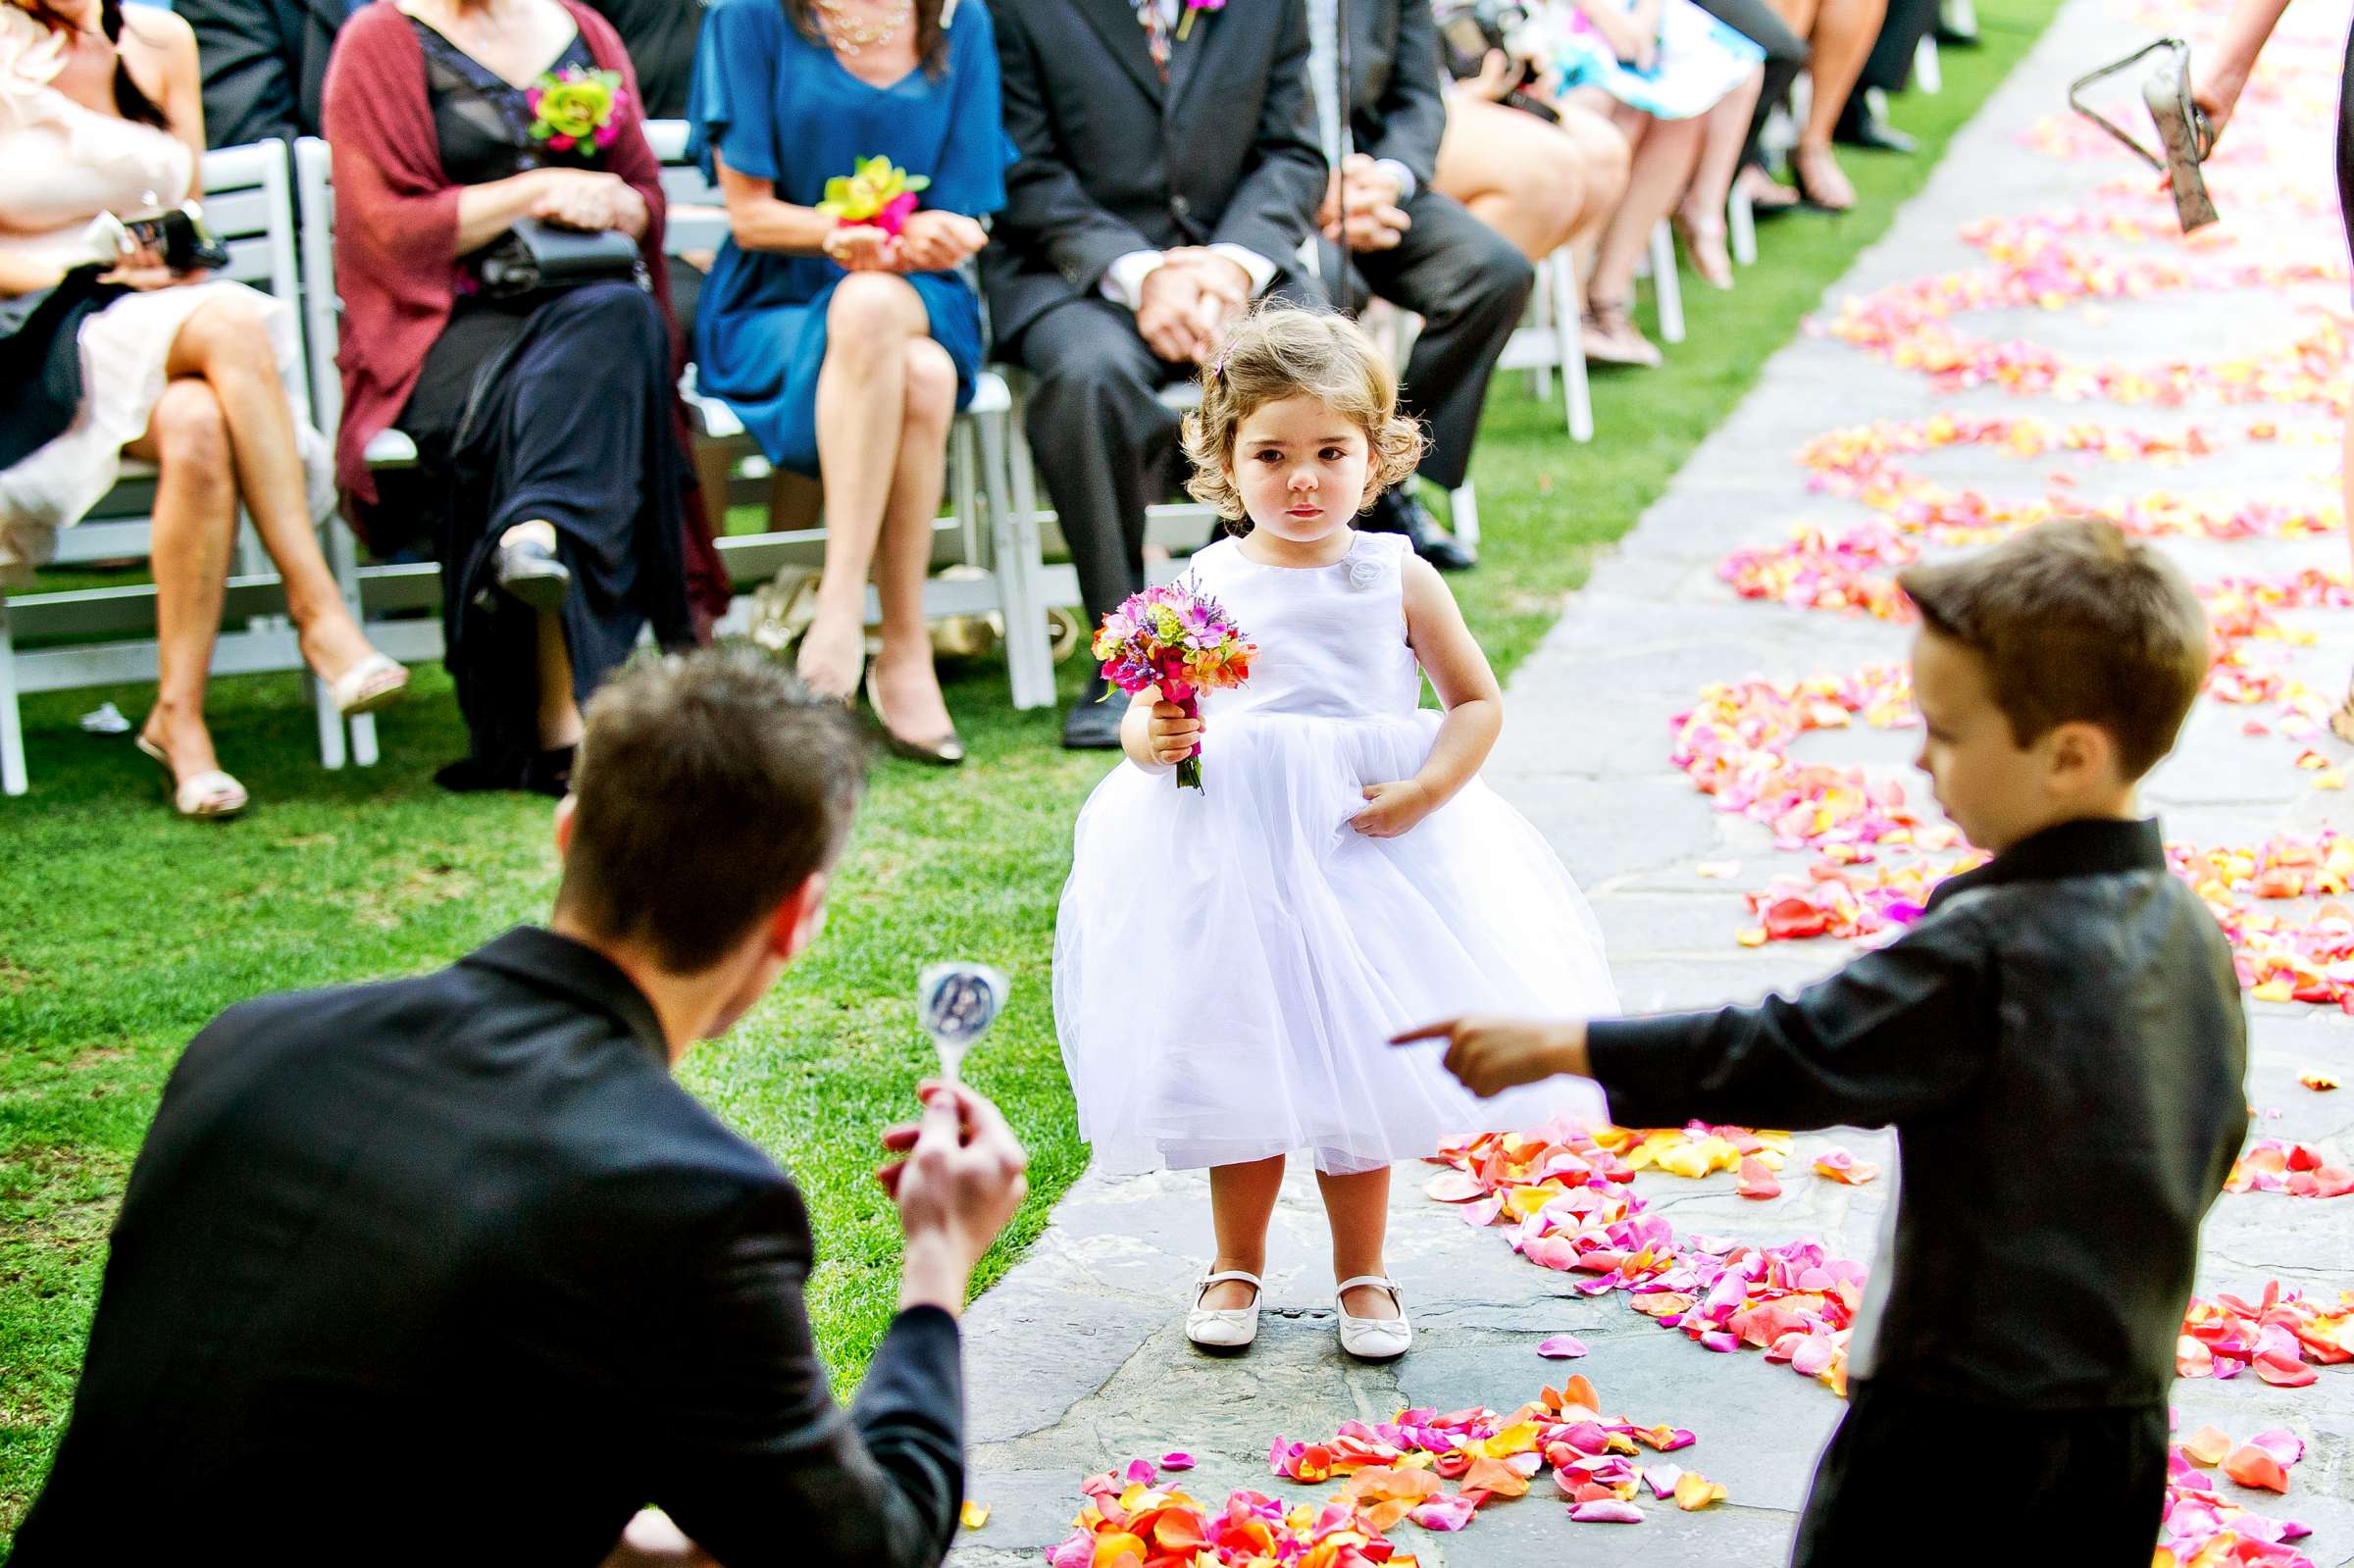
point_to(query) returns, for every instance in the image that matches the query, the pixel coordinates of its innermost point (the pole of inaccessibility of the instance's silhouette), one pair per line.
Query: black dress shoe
(1859, 126)
(1093, 722)
(1400, 513)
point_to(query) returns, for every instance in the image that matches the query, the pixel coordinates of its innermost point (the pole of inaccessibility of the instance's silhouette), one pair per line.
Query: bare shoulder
(164, 34)
(1422, 585)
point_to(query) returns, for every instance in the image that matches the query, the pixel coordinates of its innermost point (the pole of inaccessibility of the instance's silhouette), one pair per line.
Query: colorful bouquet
(877, 194)
(1182, 643)
(574, 108)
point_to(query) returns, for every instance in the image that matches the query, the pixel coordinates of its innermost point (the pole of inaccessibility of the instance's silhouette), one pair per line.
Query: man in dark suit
(264, 63)
(1414, 247)
(1163, 183)
(451, 1268)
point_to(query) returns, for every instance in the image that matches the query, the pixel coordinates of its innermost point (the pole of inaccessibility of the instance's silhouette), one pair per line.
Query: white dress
(60, 165)
(1230, 964)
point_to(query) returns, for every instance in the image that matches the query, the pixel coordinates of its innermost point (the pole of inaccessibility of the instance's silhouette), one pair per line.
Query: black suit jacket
(264, 62)
(1111, 161)
(1397, 106)
(451, 1268)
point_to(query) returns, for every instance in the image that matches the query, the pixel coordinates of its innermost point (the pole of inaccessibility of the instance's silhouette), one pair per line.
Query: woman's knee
(190, 434)
(619, 312)
(226, 331)
(869, 309)
(930, 381)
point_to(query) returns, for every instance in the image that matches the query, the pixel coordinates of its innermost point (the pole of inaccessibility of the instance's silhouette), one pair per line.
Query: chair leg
(13, 778)
(965, 485)
(1014, 551)
(1569, 334)
(1667, 288)
(343, 561)
(1741, 227)
(1540, 315)
(1463, 508)
(332, 751)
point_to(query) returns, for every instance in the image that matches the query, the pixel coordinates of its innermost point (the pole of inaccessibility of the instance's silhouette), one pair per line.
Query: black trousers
(1785, 56)
(1469, 285)
(1889, 66)
(2089, 1484)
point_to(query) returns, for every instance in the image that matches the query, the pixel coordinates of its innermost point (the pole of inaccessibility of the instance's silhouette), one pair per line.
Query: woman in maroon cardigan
(550, 472)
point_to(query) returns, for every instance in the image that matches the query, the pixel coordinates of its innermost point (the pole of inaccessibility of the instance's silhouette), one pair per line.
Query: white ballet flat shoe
(1224, 1328)
(1373, 1339)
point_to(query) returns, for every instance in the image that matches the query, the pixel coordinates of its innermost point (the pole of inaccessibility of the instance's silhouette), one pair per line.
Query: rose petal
(1177, 1462)
(1563, 1347)
(973, 1515)
(2251, 1466)
(1606, 1513)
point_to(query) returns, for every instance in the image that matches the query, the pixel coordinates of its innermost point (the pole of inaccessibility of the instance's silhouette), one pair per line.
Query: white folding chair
(980, 455)
(246, 202)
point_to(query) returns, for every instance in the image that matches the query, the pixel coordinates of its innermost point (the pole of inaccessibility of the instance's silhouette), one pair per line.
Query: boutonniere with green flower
(576, 111)
(877, 194)
(1185, 23)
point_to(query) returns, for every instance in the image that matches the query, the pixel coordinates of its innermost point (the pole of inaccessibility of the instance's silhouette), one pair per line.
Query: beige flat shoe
(373, 683)
(208, 796)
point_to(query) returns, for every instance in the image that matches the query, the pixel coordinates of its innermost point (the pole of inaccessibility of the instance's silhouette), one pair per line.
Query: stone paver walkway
(1077, 1359)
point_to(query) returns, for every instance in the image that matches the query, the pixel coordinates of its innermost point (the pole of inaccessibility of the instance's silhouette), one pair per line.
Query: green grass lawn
(121, 931)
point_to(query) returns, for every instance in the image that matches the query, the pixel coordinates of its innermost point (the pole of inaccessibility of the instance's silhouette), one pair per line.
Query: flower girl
(1230, 962)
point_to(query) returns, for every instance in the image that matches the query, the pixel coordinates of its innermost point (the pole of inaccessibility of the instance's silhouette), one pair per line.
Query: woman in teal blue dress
(847, 350)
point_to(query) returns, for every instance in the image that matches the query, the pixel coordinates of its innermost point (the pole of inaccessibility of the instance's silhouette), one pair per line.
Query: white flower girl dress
(1230, 963)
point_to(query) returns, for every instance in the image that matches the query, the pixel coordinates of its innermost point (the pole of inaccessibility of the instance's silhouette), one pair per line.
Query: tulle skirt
(1230, 965)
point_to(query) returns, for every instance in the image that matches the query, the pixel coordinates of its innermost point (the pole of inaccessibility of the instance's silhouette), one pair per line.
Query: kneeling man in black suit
(451, 1269)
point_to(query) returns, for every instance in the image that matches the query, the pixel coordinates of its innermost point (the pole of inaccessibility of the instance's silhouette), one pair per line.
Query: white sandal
(1373, 1339)
(208, 796)
(376, 682)
(1224, 1328)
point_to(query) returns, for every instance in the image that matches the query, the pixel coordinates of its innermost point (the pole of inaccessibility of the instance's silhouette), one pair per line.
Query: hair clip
(1218, 370)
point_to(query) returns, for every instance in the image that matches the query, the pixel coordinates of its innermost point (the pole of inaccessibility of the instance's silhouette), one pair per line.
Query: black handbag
(40, 359)
(535, 256)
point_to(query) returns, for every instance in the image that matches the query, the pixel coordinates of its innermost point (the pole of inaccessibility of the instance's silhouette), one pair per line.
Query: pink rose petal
(1563, 1347)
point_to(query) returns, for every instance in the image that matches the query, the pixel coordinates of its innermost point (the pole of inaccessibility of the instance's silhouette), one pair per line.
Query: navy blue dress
(776, 106)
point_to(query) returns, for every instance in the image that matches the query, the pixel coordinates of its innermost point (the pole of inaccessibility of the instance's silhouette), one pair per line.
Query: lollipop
(956, 1002)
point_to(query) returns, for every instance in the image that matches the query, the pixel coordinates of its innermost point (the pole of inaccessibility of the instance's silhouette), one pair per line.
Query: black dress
(2345, 141)
(554, 407)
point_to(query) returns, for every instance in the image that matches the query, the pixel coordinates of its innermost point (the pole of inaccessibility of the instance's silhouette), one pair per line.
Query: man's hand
(1169, 312)
(1395, 809)
(1490, 1053)
(1374, 221)
(959, 1184)
(937, 242)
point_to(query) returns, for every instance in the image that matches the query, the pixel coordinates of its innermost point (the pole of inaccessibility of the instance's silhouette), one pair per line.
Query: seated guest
(1413, 244)
(452, 1266)
(550, 466)
(1785, 58)
(1863, 121)
(849, 347)
(1839, 35)
(1664, 72)
(1161, 182)
(1543, 181)
(190, 375)
(264, 64)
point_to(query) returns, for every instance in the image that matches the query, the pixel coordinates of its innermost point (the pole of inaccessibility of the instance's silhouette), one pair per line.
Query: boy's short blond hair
(2076, 623)
(1283, 351)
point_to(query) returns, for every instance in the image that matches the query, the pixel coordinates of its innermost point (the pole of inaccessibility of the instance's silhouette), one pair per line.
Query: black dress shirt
(2059, 1045)
(451, 1269)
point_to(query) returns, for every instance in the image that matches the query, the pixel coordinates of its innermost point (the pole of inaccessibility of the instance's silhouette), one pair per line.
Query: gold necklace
(849, 36)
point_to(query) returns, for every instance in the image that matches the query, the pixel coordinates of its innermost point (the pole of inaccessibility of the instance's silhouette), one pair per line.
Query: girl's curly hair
(1282, 351)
